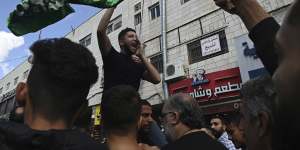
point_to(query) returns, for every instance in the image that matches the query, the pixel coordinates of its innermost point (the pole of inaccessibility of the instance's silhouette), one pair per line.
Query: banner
(249, 63)
(97, 115)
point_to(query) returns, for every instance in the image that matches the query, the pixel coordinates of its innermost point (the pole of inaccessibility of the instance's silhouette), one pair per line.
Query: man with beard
(128, 66)
(218, 125)
(183, 121)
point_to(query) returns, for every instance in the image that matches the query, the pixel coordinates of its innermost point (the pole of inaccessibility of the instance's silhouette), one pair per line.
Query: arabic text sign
(210, 45)
(223, 84)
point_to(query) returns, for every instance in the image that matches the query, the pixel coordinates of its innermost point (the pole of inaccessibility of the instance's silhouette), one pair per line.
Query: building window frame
(137, 7)
(184, 1)
(138, 18)
(195, 49)
(114, 24)
(7, 86)
(25, 74)
(157, 62)
(154, 11)
(86, 41)
(16, 80)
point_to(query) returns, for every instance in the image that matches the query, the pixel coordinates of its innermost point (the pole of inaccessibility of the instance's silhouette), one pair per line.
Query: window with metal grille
(154, 11)
(207, 47)
(157, 62)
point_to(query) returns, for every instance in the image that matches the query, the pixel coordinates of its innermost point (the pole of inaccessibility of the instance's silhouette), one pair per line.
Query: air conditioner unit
(174, 71)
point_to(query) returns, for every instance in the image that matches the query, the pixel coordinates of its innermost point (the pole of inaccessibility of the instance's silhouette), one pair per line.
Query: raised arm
(103, 40)
(262, 28)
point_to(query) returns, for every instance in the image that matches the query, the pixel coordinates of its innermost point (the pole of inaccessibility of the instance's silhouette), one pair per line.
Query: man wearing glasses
(182, 119)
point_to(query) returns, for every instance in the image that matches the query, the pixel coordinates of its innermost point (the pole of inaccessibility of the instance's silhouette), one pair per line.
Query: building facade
(200, 43)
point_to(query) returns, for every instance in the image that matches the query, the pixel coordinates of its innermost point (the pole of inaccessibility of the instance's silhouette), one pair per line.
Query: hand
(136, 59)
(227, 5)
(147, 147)
(140, 49)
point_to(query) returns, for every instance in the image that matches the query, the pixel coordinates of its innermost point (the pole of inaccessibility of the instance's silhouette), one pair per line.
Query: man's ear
(21, 93)
(263, 124)
(175, 118)
(121, 42)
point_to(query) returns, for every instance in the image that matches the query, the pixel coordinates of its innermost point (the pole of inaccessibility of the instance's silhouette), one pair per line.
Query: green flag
(97, 3)
(33, 15)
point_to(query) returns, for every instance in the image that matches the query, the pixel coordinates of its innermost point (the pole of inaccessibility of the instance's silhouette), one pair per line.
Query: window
(157, 61)
(137, 19)
(118, 25)
(207, 47)
(184, 1)
(86, 41)
(16, 80)
(137, 7)
(110, 28)
(154, 11)
(115, 24)
(7, 85)
(25, 74)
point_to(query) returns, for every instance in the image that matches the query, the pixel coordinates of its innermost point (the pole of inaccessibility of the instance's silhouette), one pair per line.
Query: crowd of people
(53, 101)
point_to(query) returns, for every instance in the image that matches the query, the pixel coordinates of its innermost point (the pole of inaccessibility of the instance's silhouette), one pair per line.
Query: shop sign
(199, 78)
(210, 45)
(250, 65)
(220, 85)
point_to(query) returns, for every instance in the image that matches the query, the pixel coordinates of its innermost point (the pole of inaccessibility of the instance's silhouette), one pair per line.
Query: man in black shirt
(130, 65)
(57, 86)
(182, 120)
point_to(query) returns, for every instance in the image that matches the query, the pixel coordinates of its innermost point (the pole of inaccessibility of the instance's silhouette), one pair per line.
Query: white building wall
(19, 72)
(185, 23)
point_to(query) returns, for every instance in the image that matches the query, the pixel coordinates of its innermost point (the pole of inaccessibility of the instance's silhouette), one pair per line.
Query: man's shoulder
(195, 141)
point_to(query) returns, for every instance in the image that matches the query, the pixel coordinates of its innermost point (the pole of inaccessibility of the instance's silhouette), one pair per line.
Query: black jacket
(14, 136)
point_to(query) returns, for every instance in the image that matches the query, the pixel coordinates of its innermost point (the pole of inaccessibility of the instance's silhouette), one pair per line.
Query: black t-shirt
(263, 36)
(195, 141)
(120, 69)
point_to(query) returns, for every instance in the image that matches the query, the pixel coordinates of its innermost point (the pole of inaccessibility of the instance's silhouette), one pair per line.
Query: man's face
(130, 41)
(217, 125)
(146, 117)
(237, 134)
(250, 129)
(167, 122)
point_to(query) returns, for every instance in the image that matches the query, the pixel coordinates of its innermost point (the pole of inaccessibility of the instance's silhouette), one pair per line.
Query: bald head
(190, 113)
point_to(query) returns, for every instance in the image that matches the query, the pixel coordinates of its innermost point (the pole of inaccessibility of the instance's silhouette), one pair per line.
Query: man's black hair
(120, 108)
(124, 31)
(221, 117)
(60, 78)
(145, 102)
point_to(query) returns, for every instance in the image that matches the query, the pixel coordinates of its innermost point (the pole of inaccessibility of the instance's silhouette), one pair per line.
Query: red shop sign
(212, 86)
